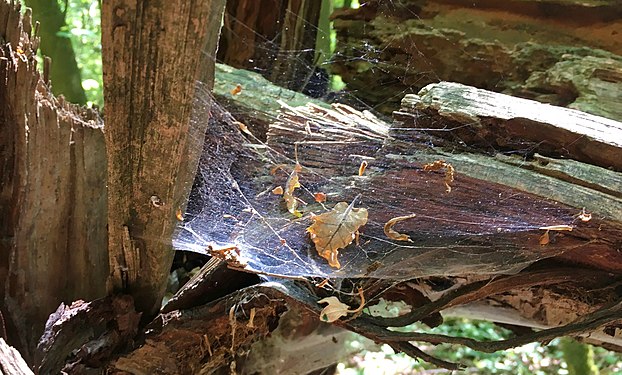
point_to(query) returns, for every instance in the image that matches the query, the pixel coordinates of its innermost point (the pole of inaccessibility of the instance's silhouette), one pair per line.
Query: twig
(415, 352)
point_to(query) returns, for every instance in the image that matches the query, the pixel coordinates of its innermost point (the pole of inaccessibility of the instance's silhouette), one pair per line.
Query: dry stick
(589, 323)
(478, 290)
(414, 352)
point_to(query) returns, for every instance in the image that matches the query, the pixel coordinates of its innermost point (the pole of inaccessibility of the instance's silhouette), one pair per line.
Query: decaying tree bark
(53, 195)
(152, 55)
(533, 49)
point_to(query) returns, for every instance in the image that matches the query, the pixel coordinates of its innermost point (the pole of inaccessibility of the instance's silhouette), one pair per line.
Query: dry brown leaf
(277, 190)
(336, 229)
(243, 127)
(362, 167)
(237, 89)
(320, 197)
(288, 195)
(449, 172)
(394, 235)
(545, 239)
(335, 309)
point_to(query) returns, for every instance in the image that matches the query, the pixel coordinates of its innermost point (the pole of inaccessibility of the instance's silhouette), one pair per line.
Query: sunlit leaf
(335, 230)
(288, 195)
(393, 234)
(449, 172)
(334, 309)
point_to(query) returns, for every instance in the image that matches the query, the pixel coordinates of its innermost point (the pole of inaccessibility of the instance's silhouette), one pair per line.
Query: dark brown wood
(86, 334)
(52, 192)
(273, 37)
(152, 55)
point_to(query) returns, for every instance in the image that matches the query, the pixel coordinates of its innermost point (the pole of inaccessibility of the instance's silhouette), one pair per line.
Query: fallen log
(558, 52)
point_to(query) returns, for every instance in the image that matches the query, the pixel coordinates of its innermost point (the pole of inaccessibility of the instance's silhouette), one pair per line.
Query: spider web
(232, 204)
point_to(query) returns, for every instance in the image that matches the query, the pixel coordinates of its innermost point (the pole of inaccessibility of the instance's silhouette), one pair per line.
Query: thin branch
(415, 352)
(587, 324)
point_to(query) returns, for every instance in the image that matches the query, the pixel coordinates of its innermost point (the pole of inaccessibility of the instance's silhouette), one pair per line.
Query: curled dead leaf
(449, 172)
(237, 89)
(545, 238)
(584, 216)
(558, 228)
(393, 234)
(243, 127)
(288, 195)
(362, 167)
(336, 229)
(335, 309)
(320, 197)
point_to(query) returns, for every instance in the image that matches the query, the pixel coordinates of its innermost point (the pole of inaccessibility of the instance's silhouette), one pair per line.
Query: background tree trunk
(64, 73)
(276, 38)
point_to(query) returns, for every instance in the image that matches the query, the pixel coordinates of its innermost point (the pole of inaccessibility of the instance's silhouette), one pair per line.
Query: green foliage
(579, 357)
(83, 27)
(529, 359)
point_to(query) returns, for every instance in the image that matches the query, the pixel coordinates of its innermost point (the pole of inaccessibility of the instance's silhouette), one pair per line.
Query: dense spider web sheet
(482, 232)
(232, 203)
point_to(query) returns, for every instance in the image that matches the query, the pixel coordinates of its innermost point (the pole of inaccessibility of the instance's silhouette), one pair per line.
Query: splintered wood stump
(52, 192)
(566, 53)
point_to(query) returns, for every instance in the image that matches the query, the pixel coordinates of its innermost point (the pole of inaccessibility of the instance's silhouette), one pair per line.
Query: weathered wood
(152, 55)
(86, 334)
(563, 53)
(258, 101)
(52, 191)
(491, 121)
(11, 362)
(206, 338)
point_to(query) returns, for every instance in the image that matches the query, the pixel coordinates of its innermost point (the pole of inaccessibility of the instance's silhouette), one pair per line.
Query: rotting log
(152, 55)
(52, 192)
(561, 52)
(490, 192)
(496, 122)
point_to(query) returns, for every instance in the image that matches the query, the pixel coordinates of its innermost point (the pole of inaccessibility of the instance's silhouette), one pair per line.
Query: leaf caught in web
(449, 172)
(335, 309)
(336, 229)
(288, 195)
(393, 234)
